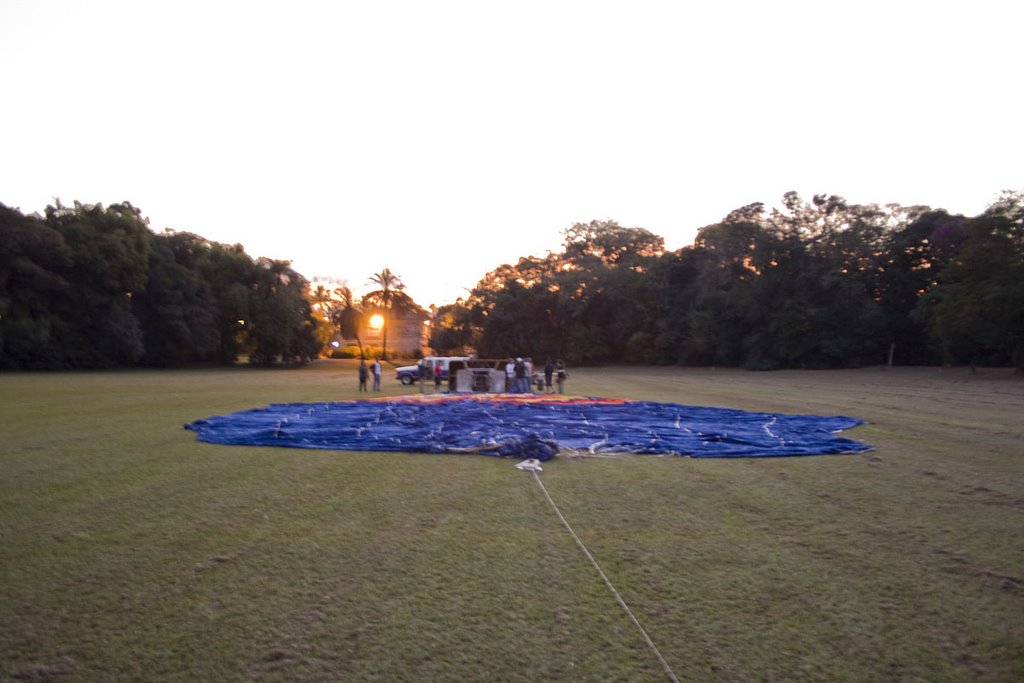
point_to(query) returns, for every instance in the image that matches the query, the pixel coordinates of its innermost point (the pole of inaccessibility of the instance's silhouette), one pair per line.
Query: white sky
(442, 139)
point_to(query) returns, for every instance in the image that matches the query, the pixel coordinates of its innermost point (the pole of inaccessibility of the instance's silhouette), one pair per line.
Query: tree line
(91, 286)
(810, 284)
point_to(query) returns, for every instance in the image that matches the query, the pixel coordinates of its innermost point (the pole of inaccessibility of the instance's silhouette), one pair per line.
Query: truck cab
(407, 374)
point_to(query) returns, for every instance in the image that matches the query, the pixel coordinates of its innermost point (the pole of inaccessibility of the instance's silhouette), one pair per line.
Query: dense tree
(177, 311)
(89, 286)
(509, 311)
(816, 289)
(232, 276)
(719, 295)
(976, 310)
(913, 255)
(109, 265)
(588, 304)
(451, 328)
(33, 260)
(795, 287)
(282, 325)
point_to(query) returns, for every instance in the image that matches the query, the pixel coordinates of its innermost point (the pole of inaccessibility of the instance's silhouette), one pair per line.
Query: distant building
(406, 331)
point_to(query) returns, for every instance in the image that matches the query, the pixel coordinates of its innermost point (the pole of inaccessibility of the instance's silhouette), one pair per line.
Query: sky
(443, 139)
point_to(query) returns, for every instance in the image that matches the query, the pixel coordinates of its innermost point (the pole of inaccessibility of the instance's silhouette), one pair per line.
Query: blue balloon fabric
(506, 426)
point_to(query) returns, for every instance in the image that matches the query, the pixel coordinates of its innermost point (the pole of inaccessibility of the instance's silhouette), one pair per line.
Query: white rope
(647, 638)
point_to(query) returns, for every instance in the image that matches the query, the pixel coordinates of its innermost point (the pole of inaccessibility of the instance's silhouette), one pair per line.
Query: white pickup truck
(407, 374)
(450, 365)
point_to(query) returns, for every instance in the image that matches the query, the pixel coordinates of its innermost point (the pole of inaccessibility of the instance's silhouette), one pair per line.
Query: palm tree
(348, 316)
(388, 297)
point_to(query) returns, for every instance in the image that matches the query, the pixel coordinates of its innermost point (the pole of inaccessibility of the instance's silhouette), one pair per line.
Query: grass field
(130, 551)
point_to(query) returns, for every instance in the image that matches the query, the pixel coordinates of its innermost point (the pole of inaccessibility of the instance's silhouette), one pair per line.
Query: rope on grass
(607, 581)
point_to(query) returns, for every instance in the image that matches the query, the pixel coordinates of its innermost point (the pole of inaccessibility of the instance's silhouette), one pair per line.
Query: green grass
(130, 551)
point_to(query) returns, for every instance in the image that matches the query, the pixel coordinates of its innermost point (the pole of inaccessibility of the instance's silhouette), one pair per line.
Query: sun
(376, 321)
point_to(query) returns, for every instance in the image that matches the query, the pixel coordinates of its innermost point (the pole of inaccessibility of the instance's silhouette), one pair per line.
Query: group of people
(365, 372)
(519, 375)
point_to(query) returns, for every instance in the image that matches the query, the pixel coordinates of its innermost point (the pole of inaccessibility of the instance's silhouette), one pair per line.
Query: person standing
(437, 376)
(363, 372)
(510, 375)
(376, 374)
(549, 370)
(521, 386)
(561, 376)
